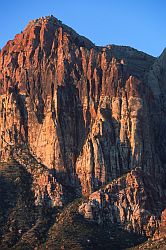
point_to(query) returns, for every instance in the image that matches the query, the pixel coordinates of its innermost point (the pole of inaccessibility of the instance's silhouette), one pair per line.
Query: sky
(137, 23)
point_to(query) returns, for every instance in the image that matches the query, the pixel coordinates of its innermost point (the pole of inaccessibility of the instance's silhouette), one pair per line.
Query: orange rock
(91, 113)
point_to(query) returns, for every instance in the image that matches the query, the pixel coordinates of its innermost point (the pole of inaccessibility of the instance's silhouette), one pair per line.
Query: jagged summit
(51, 24)
(47, 19)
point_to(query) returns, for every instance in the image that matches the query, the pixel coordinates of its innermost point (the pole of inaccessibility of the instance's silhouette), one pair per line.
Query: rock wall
(91, 113)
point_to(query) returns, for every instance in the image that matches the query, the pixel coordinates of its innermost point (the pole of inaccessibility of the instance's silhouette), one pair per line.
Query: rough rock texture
(134, 201)
(47, 191)
(77, 116)
(161, 232)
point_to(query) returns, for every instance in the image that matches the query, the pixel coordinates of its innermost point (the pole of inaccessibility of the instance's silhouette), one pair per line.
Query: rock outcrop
(47, 191)
(161, 230)
(79, 116)
(133, 201)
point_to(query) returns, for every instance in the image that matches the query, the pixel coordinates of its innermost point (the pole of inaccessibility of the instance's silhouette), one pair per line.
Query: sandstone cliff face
(82, 109)
(89, 114)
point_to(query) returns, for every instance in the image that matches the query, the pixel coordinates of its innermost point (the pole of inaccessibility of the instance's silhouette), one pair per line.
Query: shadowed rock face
(90, 114)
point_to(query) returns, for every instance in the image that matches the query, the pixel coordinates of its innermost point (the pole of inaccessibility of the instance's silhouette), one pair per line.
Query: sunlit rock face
(91, 113)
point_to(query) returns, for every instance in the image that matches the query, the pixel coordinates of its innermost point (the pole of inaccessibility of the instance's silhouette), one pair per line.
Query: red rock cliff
(92, 113)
